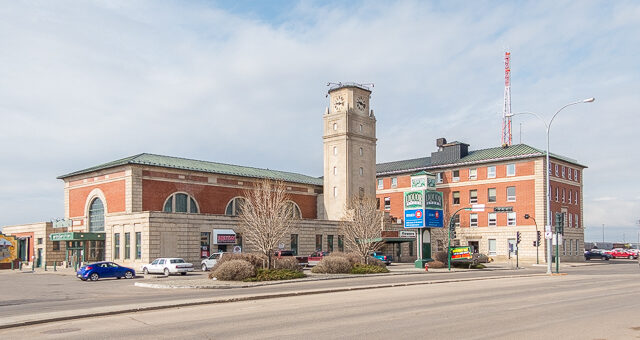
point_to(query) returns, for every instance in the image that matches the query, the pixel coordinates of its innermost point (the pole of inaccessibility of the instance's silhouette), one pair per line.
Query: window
(335, 170)
(341, 243)
(456, 220)
(39, 240)
(511, 194)
(556, 170)
(335, 192)
(473, 220)
(294, 244)
(575, 221)
(180, 203)
(564, 247)
(564, 192)
(116, 246)
(378, 203)
(570, 195)
(319, 242)
(335, 126)
(550, 166)
(575, 175)
(473, 174)
(563, 171)
(473, 196)
(456, 197)
(569, 173)
(361, 171)
(491, 172)
(96, 216)
(361, 151)
(361, 192)
(575, 197)
(557, 193)
(294, 209)
(577, 246)
(56, 245)
(138, 245)
(387, 203)
(127, 245)
(439, 178)
(360, 127)
(380, 183)
(511, 219)
(394, 182)
(330, 240)
(491, 193)
(456, 175)
(570, 220)
(492, 246)
(511, 169)
(234, 207)
(335, 150)
(493, 219)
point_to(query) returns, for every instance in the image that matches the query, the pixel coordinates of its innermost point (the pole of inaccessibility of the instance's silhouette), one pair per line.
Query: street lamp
(548, 127)
(526, 217)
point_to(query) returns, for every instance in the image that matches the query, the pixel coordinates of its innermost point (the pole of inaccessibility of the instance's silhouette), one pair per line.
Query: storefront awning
(75, 236)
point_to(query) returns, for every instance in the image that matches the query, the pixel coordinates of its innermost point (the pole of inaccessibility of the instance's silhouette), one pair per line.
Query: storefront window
(96, 216)
(329, 242)
(127, 245)
(205, 244)
(319, 242)
(116, 246)
(294, 244)
(138, 245)
(341, 243)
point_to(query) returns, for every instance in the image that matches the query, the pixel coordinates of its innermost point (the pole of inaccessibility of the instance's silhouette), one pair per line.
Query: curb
(169, 305)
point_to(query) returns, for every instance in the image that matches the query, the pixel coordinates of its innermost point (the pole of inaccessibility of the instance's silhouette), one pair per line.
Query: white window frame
(570, 196)
(564, 192)
(495, 246)
(361, 171)
(335, 150)
(570, 220)
(473, 217)
(557, 194)
(471, 199)
(550, 168)
(495, 219)
(557, 170)
(575, 175)
(495, 197)
(575, 221)
(569, 176)
(387, 206)
(563, 171)
(361, 151)
(335, 191)
(454, 177)
(453, 198)
(575, 198)
(335, 170)
(577, 246)
(394, 182)
(511, 165)
(511, 219)
(491, 174)
(511, 198)
(380, 183)
(473, 174)
(439, 177)
(564, 247)
(335, 126)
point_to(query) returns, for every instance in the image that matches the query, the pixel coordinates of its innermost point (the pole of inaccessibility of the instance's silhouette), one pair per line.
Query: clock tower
(349, 148)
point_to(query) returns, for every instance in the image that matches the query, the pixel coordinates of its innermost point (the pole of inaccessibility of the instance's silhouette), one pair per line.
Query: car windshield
(177, 261)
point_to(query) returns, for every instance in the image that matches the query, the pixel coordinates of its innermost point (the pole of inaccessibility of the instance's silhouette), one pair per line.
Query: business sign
(407, 234)
(8, 248)
(433, 200)
(414, 218)
(414, 199)
(431, 183)
(226, 238)
(460, 253)
(433, 218)
(419, 182)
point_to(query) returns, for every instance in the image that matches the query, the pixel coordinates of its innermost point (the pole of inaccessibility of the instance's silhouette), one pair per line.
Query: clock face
(338, 103)
(361, 104)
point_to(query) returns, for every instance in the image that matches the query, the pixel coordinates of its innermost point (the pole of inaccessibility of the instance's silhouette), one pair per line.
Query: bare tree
(266, 216)
(361, 226)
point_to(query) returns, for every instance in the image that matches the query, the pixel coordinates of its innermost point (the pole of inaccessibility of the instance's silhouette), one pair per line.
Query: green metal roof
(202, 166)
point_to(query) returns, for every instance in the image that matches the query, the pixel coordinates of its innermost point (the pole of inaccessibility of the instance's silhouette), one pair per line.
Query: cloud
(85, 83)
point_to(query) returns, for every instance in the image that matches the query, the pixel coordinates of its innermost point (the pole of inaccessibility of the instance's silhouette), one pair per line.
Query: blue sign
(414, 218)
(433, 218)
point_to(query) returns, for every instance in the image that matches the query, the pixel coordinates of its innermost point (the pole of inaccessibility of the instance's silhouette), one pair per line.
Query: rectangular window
(138, 245)
(116, 246)
(511, 169)
(294, 244)
(575, 221)
(341, 243)
(570, 220)
(380, 184)
(570, 196)
(564, 192)
(557, 173)
(56, 245)
(456, 197)
(473, 174)
(493, 219)
(511, 219)
(473, 220)
(575, 197)
(550, 167)
(563, 171)
(569, 173)
(557, 193)
(564, 247)
(394, 182)
(575, 175)
(127, 245)
(335, 191)
(39, 240)
(491, 195)
(439, 177)
(319, 242)
(456, 220)
(387, 203)
(473, 196)
(492, 246)
(455, 174)
(491, 172)
(511, 194)
(330, 243)
(378, 203)
(577, 247)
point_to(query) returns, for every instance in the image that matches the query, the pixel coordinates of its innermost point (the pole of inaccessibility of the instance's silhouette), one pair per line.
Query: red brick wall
(114, 193)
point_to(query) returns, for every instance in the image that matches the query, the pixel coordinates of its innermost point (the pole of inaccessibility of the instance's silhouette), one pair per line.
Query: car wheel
(118, 277)
(185, 273)
(204, 267)
(606, 259)
(94, 277)
(128, 275)
(145, 271)
(587, 258)
(630, 257)
(166, 272)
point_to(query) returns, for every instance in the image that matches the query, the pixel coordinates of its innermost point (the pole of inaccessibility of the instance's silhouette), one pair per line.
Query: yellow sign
(8, 248)
(460, 253)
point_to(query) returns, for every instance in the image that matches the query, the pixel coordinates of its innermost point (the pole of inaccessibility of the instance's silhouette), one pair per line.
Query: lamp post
(548, 127)
(526, 217)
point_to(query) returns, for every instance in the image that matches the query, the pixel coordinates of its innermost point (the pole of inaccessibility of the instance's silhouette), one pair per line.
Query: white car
(167, 266)
(211, 261)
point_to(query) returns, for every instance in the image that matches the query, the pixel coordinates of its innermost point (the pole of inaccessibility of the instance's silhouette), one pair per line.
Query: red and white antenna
(506, 112)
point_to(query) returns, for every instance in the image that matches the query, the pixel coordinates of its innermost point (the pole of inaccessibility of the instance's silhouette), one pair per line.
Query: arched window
(180, 202)
(96, 216)
(295, 210)
(234, 207)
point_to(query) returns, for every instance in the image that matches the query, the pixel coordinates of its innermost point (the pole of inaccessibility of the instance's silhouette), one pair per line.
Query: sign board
(62, 223)
(553, 240)
(433, 218)
(8, 248)
(547, 229)
(414, 199)
(280, 245)
(419, 182)
(433, 200)
(431, 183)
(477, 207)
(407, 234)
(224, 236)
(548, 235)
(460, 253)
(237, 249)
(414, 218)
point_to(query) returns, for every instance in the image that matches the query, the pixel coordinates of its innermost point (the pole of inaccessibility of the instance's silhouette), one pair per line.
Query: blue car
(98, 270)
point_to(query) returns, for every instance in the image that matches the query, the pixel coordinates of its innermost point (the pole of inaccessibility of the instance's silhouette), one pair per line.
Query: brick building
(511, 176)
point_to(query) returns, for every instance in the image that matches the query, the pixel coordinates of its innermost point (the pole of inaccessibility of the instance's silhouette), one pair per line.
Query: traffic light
(453, 233)
(518, 237)
(535, 243)
(539, 236)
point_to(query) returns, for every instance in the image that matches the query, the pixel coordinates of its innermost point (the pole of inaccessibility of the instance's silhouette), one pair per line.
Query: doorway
(474, 247)
(512, 247)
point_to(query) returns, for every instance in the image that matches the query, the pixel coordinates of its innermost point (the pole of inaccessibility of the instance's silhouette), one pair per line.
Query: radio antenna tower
(506, 112)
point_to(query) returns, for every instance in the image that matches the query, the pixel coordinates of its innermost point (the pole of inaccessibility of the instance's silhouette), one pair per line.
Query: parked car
(98, 270)
(596, 254)
(316, 257)
(622, 253)
(210, 261)
(167, 266)
(302, 260)
(382, 257)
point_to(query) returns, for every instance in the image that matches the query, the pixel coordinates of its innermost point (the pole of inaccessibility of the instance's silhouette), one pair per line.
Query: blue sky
(244, 83)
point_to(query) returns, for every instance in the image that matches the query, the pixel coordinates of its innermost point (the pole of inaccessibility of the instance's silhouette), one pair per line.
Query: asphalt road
(593, 302)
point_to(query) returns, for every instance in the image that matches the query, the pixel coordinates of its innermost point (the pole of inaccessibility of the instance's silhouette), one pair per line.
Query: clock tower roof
(338, 86)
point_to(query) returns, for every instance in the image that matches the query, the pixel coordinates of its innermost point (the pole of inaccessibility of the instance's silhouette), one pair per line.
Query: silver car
(211, 261)
(167, 266)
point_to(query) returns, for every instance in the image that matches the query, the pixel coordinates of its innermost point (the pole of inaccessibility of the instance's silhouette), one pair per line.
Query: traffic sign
(548, 235)
(547, 229)
(477, 207)
(503, 209)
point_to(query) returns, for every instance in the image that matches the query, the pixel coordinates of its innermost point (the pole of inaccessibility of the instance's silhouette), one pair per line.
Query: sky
(242, 82)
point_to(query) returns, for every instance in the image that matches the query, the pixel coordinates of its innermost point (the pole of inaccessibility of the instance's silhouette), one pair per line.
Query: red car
(619, 253)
